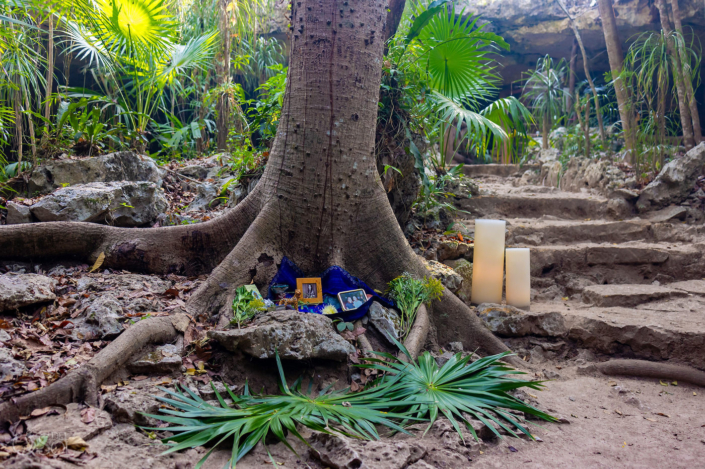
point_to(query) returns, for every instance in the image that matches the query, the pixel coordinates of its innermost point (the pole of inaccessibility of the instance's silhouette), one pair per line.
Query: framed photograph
(311, 290)
(352, 299)
(255, 292)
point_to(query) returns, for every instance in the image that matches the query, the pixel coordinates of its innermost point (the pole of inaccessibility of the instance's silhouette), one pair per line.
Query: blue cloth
(334, 280)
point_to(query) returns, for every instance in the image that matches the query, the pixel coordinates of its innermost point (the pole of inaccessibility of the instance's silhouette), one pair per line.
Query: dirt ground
(613, 422)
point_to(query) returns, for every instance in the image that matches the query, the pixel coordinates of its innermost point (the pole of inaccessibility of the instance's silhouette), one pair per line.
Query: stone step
(672, 330)
(563, 205)
(498, 170)
(628, 295)
(635, 262)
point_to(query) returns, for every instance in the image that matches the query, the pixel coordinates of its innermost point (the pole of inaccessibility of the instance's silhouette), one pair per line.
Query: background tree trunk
(50, 73)
(222, 65)
(545, 130)
(395, 10)
(616, 58)
(686, 119)
(687, 75)
(571, 79)
(598, 111)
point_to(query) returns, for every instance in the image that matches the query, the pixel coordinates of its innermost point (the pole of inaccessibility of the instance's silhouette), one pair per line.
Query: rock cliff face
(534, 28)
(537, 27)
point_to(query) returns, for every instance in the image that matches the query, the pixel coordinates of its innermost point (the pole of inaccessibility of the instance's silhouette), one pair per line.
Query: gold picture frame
(352, 299)
(311, 290)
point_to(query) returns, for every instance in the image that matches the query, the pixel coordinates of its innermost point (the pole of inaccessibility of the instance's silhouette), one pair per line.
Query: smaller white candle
(518, 277)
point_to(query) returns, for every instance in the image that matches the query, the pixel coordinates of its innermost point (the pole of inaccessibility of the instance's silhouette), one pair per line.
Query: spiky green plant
(545, 93)
(250, 419)
(459, 389)
(407, 392)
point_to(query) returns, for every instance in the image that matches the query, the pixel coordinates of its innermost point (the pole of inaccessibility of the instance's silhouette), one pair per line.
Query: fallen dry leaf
(98, 262)
(88, 415)
(662, 414)
(40, 412)
(76, 442)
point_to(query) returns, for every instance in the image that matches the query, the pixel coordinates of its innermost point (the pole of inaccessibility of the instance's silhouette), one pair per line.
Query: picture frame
(311, 290)
(352, 299)
(255, 292)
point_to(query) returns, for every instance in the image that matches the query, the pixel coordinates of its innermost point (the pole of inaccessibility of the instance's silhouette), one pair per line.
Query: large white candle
(518, 277)
(488, 261)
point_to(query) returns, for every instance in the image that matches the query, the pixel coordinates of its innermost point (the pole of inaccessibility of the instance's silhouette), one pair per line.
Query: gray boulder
(123, 203)
(9, 367)
(205, 194)
(17, 291)
(508, 321)
(119, 166)
(165, 359)
(17, 214)
(296, 336)
(100, 319)
(386, 321)
(675, 182)
(448, 277)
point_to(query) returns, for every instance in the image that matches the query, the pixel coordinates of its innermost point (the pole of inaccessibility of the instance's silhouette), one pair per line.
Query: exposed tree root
(417, 335)
(188, 249)
(647, 369)
(82, 385)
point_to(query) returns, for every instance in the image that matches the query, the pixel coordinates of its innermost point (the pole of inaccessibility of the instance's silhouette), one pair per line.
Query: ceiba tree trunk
(686, 119)
(222, 66)
(687, 75)
(320, 201)
(616, 58)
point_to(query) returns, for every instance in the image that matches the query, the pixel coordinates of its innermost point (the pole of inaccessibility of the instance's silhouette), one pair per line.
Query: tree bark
(686, 119)
(616, 59)
(578, 38)
(687, 76)
(222, 70)
(571, 79)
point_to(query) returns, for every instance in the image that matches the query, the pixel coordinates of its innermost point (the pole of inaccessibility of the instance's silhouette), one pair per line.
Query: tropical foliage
(407, 392)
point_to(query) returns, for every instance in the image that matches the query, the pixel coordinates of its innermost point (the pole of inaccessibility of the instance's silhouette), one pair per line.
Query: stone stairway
(603, 280)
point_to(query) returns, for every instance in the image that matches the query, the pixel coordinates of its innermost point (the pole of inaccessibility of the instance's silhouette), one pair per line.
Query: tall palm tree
(545, 92)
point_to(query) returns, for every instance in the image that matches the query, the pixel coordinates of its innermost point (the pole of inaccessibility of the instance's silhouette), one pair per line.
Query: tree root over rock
(647, 369)
(84, 383)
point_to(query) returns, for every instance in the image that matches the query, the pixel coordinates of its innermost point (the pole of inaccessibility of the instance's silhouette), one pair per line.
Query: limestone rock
(675, 181)
(69, 423)
(9, 367)
(339, 452)
(165, 359)
(205, 198)
(121, 203)
(100, 319)
(628, 295)
(508, 321)
(548, 155)
(127, 406)
(464, 269)
(17, 214)
(452, 250)
(448, 277)
(194, 171)
(619, 208)
(668, 214)
(17, 291)
(296, 336)
(386, 321)
(119, 166)
(695, 287)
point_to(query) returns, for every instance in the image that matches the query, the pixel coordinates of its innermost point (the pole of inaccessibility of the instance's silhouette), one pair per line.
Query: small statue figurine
(293, 301)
